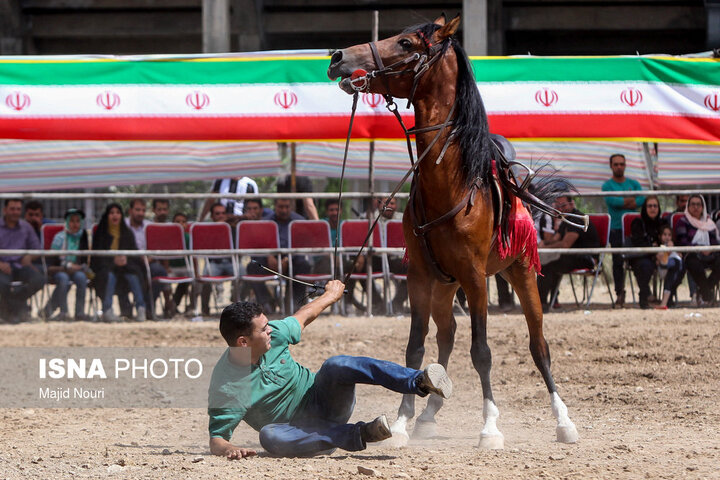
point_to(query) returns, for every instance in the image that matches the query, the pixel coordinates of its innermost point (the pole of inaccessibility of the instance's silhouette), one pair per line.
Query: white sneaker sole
(439, 380)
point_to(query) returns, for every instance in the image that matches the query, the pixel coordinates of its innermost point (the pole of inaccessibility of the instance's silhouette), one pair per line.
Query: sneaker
(140, 317)
(435, 379)
(110, 317)
(376, 431)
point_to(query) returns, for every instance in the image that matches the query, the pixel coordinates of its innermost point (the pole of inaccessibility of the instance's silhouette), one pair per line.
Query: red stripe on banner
(334, 127)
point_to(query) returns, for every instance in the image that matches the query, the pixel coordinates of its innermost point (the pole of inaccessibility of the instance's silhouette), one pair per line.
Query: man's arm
(222, 448)
(333, 292)
(565, 242)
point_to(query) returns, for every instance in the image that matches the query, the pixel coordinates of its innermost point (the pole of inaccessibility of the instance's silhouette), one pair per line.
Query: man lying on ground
(299, 413)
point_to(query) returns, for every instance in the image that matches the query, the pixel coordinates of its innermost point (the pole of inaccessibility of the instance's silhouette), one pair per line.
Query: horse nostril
(336, 57)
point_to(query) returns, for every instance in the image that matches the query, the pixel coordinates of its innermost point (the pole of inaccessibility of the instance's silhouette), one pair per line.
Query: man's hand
(120, 260)
(5, 268)
(236, 453)
(26, 260)
(333, 292)
(223, 448)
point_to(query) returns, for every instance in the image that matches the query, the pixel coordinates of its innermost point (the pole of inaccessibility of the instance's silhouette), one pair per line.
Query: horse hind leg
(442, 303)
(525, 284)
(414, 352)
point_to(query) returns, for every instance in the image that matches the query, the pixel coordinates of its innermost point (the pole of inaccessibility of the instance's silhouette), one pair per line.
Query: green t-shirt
(615, 204)
(276, 385)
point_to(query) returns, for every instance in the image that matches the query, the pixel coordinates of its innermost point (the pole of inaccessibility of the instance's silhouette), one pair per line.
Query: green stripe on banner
(169, 71)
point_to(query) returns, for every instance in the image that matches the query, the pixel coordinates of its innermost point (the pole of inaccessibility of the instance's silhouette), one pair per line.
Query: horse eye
(405, 43)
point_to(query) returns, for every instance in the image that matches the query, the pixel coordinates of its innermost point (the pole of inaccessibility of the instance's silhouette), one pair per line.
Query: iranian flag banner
(287, 96)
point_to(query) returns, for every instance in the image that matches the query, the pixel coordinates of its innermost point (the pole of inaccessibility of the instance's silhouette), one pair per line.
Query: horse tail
(547, 185)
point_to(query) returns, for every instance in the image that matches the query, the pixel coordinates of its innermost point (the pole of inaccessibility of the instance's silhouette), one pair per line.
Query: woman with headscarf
(696, 227)
(113, 234)
(69, 269)
(645, 232)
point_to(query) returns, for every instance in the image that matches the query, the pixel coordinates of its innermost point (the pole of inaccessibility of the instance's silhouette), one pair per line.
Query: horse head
(395, 64)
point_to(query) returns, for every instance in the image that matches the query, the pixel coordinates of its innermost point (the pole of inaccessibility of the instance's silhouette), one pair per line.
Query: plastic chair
(166, 236)
(48, 231)
(261, 234)
(601, 221)
(394, 238)
(352, 235)
(213, 236)
(310, 234)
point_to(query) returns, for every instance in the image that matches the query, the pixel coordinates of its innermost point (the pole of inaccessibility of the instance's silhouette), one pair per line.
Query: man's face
(252, 211)
(617, 164)
(332, 212)
(161, 211)
(681, 202)
(390, 210)
(565, 204)
(34, 217)
(12, 211)
(259, 338)
(137, 213)
(218, 214)
(282, 209)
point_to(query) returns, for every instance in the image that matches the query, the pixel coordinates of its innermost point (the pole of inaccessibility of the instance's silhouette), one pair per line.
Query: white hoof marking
(400, 437)
(492, 442)
(490, 437)
(565, 431)
(424, 430)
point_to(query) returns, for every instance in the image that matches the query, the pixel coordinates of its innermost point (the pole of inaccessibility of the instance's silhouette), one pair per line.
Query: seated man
(298, 413)
(282, 215)
(16, 233)
(568, 236)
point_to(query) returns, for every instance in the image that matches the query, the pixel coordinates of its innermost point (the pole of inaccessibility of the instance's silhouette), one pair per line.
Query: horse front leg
(419, 286)
(490, 436)
(525, 284)
(441, 307)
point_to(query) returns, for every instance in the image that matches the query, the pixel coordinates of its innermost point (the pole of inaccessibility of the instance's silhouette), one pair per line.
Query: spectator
(69, 268)
(113, 234)
(282, 215)
(34, 215)
(321, 264)
(305, 206)
(234, 207)
(617, 207)
(179, 268)
(216, 266)
(696, 227)
(645, 232)
(569, 236)
(670, 266)
(254, 210)
(16, 233)
(681, 203)
(161, 210)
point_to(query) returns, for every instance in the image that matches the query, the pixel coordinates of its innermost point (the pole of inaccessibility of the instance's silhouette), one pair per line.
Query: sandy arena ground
(641, 387)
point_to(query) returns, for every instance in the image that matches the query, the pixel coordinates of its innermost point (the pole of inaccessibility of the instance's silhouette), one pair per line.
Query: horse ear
(449, 28)
(441, 20)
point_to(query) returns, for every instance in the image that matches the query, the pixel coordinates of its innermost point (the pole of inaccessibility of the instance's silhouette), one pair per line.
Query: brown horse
(451, 224)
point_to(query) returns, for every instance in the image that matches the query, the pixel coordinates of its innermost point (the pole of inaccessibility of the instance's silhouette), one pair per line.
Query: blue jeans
(62, 286)
(321, 424)
(135, 287)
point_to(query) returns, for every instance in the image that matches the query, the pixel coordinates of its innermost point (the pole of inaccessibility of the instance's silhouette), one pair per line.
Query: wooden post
(216, 26)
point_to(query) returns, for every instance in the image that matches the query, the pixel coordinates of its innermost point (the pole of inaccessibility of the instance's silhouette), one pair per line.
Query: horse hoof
(492, 442)
(399, 439)
(424, 430)
(566, 434)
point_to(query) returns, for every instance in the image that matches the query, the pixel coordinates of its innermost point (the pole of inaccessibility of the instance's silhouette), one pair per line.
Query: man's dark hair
(8, 200)
(160, 200)
(33, 205)
(179, 214)
(254, 200)
(236, 319)
(331, 201)
(217, 204)
(136, 200)
(617, 155)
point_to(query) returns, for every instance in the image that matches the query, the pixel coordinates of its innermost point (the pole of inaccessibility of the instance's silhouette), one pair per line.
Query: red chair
(310, 234)
(352, 235)
(47, 235)
(214, 236)
(601, 221)
(167, 236)
(394, 238)
(260, 234)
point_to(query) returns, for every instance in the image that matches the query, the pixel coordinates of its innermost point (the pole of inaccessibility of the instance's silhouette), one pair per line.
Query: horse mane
(470, 124)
